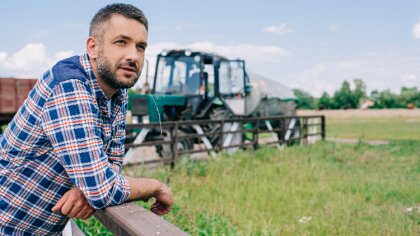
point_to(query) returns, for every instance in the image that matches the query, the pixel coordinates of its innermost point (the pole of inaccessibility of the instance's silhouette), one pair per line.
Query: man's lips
(128, 68)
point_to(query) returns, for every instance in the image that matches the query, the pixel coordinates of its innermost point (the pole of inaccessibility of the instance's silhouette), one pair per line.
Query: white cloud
(410, 80)
(380, 70)
(248, 52)
(277, 29)
(350, 65)
(30, 55)
(63, 54)
(313, 80)
(3, 57)
(29, 61)
(251, 53)
(416, 30)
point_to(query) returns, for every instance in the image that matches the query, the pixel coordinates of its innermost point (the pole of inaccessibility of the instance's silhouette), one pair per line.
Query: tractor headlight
(146, 119)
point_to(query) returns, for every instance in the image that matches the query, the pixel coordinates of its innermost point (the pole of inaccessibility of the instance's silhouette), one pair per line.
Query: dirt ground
(380, 113)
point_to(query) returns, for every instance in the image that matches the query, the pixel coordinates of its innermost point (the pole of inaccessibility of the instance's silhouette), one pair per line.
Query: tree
(359, 92)
(306, 101)
(387, 99)
(409, 95)
(343, 97)
(325, 101)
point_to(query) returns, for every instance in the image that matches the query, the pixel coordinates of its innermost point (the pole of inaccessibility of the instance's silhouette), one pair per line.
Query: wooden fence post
(305, 130)
(255, 133)
(241, 126)
(174, 145)
(222, 132)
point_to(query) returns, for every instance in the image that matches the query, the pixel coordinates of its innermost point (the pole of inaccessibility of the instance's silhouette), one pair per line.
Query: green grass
(342, 189)
(396, 128)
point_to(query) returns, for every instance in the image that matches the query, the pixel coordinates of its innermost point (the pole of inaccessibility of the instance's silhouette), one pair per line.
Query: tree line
(352, 98)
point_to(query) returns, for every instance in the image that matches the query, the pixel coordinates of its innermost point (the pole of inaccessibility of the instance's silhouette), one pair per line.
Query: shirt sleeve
(70, 120)
(116, 148)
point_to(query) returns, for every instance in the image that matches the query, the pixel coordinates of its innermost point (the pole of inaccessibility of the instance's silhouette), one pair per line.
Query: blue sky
(311, 45)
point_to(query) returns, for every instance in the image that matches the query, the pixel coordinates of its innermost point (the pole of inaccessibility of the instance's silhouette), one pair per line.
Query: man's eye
(120, 42)
(141, 47)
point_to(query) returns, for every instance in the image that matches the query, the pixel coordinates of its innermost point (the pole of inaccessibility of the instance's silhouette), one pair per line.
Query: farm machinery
(194, 85)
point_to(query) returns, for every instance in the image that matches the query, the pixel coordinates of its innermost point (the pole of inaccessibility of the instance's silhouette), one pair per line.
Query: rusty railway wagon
(13, 93)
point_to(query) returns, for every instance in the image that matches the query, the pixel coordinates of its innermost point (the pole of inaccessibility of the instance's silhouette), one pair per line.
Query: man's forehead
(121, 25)
(118, 20)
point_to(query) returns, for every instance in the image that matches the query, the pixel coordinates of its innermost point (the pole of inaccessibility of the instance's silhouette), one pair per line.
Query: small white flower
(410, 210)
(305, 219)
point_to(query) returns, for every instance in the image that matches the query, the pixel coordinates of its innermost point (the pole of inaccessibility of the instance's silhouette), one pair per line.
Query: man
(61, 155)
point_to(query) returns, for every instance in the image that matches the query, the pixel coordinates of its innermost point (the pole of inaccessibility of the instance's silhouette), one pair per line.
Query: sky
(309, 45)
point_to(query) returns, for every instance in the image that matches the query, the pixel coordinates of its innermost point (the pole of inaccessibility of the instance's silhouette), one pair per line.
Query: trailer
(13, 93)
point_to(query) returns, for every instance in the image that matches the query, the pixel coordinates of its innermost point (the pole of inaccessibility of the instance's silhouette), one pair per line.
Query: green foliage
(3, 128)
(92, 227)
(387, 99)
(322, 189)
(305, 100)
(343, 97)
(346, 98)
(325, 101)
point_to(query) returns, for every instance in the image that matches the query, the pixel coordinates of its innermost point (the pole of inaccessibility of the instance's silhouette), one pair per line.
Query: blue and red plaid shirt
(62, 136)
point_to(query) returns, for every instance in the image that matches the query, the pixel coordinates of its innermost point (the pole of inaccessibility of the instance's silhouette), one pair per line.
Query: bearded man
(61, 155)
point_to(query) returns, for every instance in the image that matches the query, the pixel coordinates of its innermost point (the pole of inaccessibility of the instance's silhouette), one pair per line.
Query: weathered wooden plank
(131, 219)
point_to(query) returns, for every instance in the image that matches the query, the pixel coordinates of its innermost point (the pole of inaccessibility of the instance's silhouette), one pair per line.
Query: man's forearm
(143, 188)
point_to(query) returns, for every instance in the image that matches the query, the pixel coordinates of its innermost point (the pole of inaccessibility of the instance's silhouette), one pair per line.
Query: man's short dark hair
(105, 14)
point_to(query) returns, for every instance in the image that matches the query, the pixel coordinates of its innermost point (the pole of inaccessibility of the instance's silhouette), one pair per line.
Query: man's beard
(110, 77)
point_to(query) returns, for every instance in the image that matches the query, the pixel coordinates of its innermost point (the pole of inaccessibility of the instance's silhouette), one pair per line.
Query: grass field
(398, 124)
(322, 189)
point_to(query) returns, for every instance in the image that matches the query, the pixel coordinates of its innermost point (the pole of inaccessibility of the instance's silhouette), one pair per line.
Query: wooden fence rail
(256, 127)
(130, 219)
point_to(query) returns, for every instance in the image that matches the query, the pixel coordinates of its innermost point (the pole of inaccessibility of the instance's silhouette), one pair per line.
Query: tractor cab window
(231, 77)
(178, 75)
(209, 69)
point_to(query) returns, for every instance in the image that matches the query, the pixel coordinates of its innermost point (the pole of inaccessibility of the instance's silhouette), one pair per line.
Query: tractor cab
(187, 85)
(202, 78)
(193, 85)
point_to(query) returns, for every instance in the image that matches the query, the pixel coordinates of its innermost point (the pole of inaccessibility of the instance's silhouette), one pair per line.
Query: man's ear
(92, 47)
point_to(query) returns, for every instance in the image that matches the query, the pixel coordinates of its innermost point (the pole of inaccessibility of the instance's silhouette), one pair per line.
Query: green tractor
(192, 85)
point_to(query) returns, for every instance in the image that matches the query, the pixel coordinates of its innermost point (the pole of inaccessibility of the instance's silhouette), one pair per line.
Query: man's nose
(133, 54)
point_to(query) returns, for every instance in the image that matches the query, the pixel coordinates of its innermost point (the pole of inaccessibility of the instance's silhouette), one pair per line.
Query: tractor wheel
(165, 151)
(223, 114)
(293, 136)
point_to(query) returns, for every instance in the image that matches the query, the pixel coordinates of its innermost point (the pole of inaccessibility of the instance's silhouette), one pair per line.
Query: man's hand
(144, 189)
(164, 201)
(74, 204)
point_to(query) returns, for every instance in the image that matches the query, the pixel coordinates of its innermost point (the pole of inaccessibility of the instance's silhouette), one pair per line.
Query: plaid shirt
(62, 136)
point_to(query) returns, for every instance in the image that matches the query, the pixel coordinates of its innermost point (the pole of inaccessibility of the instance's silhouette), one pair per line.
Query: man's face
(121, 52)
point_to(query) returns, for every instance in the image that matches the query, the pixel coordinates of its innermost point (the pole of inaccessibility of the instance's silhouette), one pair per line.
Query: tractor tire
(295, 134)
(165, 151)
(221, 113)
